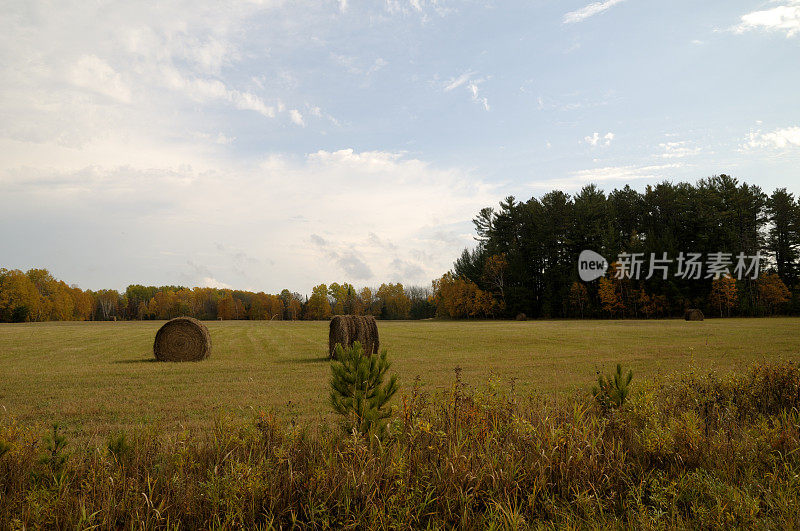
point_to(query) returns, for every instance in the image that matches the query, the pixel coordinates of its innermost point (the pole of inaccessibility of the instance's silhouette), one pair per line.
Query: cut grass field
(97, 378)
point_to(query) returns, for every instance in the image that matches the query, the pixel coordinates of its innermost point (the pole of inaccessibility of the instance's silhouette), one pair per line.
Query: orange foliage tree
(229, 307)
(772, 292)
(578, 297)
(456, 297)
(610, 296)
(724, 294)
(394, 301)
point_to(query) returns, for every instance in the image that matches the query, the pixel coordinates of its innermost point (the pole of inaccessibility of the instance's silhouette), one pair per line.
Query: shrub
(55, 450)
(119, 447)
(611, 391)
(358, 391)
(685, 452)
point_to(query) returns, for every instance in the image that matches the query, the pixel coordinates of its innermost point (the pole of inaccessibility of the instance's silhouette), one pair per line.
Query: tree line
(525, 261)
(526, 256)
(36, 295)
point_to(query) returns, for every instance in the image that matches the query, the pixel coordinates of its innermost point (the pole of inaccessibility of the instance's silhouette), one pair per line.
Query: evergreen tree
(358, 391)
(612, 391)
(783, 236)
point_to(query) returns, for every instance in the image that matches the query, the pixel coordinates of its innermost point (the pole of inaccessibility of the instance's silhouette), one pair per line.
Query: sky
(265, 145)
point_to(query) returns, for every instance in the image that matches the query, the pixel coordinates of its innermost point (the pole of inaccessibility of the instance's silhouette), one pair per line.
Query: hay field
(96, 378)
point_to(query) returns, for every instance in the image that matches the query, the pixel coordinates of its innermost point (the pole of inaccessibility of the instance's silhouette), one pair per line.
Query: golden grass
(97, 377)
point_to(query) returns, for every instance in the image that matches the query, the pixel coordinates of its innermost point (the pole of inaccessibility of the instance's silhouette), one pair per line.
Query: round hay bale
(375, 342)
(693, 314)
(522, 317)
(182, 339)
(338, 334)
(347, 329)
(361, 333)
(367, 334)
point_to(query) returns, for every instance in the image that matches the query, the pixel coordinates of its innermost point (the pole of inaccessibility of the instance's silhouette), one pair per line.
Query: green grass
(98, 378)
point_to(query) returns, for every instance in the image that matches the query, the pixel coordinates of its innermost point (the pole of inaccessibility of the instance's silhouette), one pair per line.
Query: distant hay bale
(522, 317)
(338, 334)
(694, 314)
(182, 339)
(367, 334)
(375, 341)
(347, 329)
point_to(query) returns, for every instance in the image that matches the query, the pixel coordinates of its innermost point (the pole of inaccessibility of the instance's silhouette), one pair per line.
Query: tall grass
(694, 451)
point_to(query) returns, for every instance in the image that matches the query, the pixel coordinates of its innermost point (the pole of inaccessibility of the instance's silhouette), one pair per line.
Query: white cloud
(777, 139)
(588, 11)
(785, 18)
(251, 102)
(596, 140)
(678, 150)
(472, 84)
(476, 97)
(224, 140)
(338, 200)
(454, 83)
(358, 66)
(211, 282)
(87, 74)
(93, 73)
(610, 174)
(296, 117)
(417, 7)
(220, 138)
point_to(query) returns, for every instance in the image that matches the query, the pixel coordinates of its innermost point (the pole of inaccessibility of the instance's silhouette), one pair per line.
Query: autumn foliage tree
(494, 274)
(265, 307)
(19, 298)
(457, 297)
(608, 290)
(772, 292)
(318, 306)
(724, 294)
(394, 302)
(229, 308)
(578, 297)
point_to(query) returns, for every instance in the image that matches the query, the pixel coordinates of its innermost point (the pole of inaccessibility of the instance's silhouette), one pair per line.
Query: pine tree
(611, 391)
(783, 236)
(358, 391)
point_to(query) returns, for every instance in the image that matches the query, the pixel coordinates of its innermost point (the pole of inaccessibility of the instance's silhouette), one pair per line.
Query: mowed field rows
(96, 378)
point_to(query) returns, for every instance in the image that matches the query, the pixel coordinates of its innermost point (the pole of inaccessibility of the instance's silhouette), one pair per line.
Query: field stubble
(97, 378)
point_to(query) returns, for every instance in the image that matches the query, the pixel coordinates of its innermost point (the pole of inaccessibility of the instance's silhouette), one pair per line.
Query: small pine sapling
(358, 391)
(119, 447)
(55, 456)
(612, 390)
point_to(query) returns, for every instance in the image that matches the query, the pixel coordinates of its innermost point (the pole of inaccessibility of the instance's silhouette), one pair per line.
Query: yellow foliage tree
(724, 294)
(395, 302)
(229, 308)
(772, 292)
(610, 297)
(318, 306)
(457, 298)
(19, 298)
(578, 297)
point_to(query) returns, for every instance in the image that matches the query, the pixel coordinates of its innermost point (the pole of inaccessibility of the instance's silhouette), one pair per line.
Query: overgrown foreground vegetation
(697, 451)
